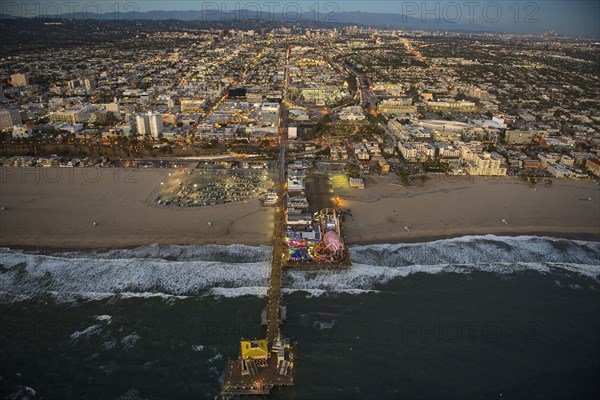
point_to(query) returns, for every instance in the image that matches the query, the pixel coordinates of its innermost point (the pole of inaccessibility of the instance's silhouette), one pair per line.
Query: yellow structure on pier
(255, 349)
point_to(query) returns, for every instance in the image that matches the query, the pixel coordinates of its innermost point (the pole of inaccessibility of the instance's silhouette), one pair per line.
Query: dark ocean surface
(472, 317)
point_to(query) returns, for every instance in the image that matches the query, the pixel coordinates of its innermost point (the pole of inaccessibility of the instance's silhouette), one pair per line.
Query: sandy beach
(56, 208)
(449, 206)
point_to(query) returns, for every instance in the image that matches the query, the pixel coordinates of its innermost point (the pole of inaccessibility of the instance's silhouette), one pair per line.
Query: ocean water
(471, 317)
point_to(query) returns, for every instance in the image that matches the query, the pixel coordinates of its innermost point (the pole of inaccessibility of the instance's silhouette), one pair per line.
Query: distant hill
(381, 20)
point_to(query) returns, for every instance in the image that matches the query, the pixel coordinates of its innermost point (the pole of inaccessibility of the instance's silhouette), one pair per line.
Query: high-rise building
(142, 124)
(19, 80)
(149, 124)
(156, 125)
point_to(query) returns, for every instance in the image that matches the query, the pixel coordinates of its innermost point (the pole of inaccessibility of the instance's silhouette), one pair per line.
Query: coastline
(386, 212)
(56, 215)
(572, 235)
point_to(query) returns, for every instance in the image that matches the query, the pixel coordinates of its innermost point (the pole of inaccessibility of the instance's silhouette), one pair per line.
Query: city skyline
(572, 18)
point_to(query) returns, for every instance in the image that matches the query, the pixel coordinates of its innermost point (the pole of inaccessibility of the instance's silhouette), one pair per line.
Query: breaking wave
(149, 271)
(177, 272)
(479, 249)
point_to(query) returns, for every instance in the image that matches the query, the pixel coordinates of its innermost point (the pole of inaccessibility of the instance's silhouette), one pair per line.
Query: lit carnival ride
(331, 248)
(299, 250)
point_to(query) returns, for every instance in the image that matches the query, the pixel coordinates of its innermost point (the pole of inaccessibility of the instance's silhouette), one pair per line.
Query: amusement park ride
(331, 247)
(327, 250)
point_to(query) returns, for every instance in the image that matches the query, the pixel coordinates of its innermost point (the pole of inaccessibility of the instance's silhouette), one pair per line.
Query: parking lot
(215, 183)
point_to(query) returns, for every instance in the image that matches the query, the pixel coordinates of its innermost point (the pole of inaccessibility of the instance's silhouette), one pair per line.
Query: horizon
(569, 18)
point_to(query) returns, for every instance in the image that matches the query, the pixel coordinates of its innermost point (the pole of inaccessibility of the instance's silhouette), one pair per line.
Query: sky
(575, 17)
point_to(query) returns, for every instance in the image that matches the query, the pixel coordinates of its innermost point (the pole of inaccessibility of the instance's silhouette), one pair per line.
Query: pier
(266, 363)
(242, 377)
(273, 320)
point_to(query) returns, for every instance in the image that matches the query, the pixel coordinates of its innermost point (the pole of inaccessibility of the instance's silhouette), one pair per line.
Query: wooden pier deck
(265, 379)
(273, 321)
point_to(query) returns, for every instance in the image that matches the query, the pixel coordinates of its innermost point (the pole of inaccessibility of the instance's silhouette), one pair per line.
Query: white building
(113, 108)
(408, 151)
(560, 171)
(487, 164)
(447, 151)
(156, 125)
(292, 132)
(270, 107)
(356, 183)
(352, 113)
(295, 185)
(78, 113)
(361, 152)
(395, 105)
(451, 105)
(416, 151)
(142, 124)
(547, 159)
(469, 151)
(149, 124)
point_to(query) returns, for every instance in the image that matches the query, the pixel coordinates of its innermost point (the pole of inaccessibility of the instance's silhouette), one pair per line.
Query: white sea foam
(479, 249)
(104, 318)
(89, 331)
(93, 277)
(360, 277)
(148, 295)
(323, 325)
(177, 272)
(259, 291)
(197, 347)
(363, 278)
(23, 393)
(591, 271)
(217, 357)
(233, 253)
(106, 346)
(129, 341)
(326, 292)
(9, 297)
